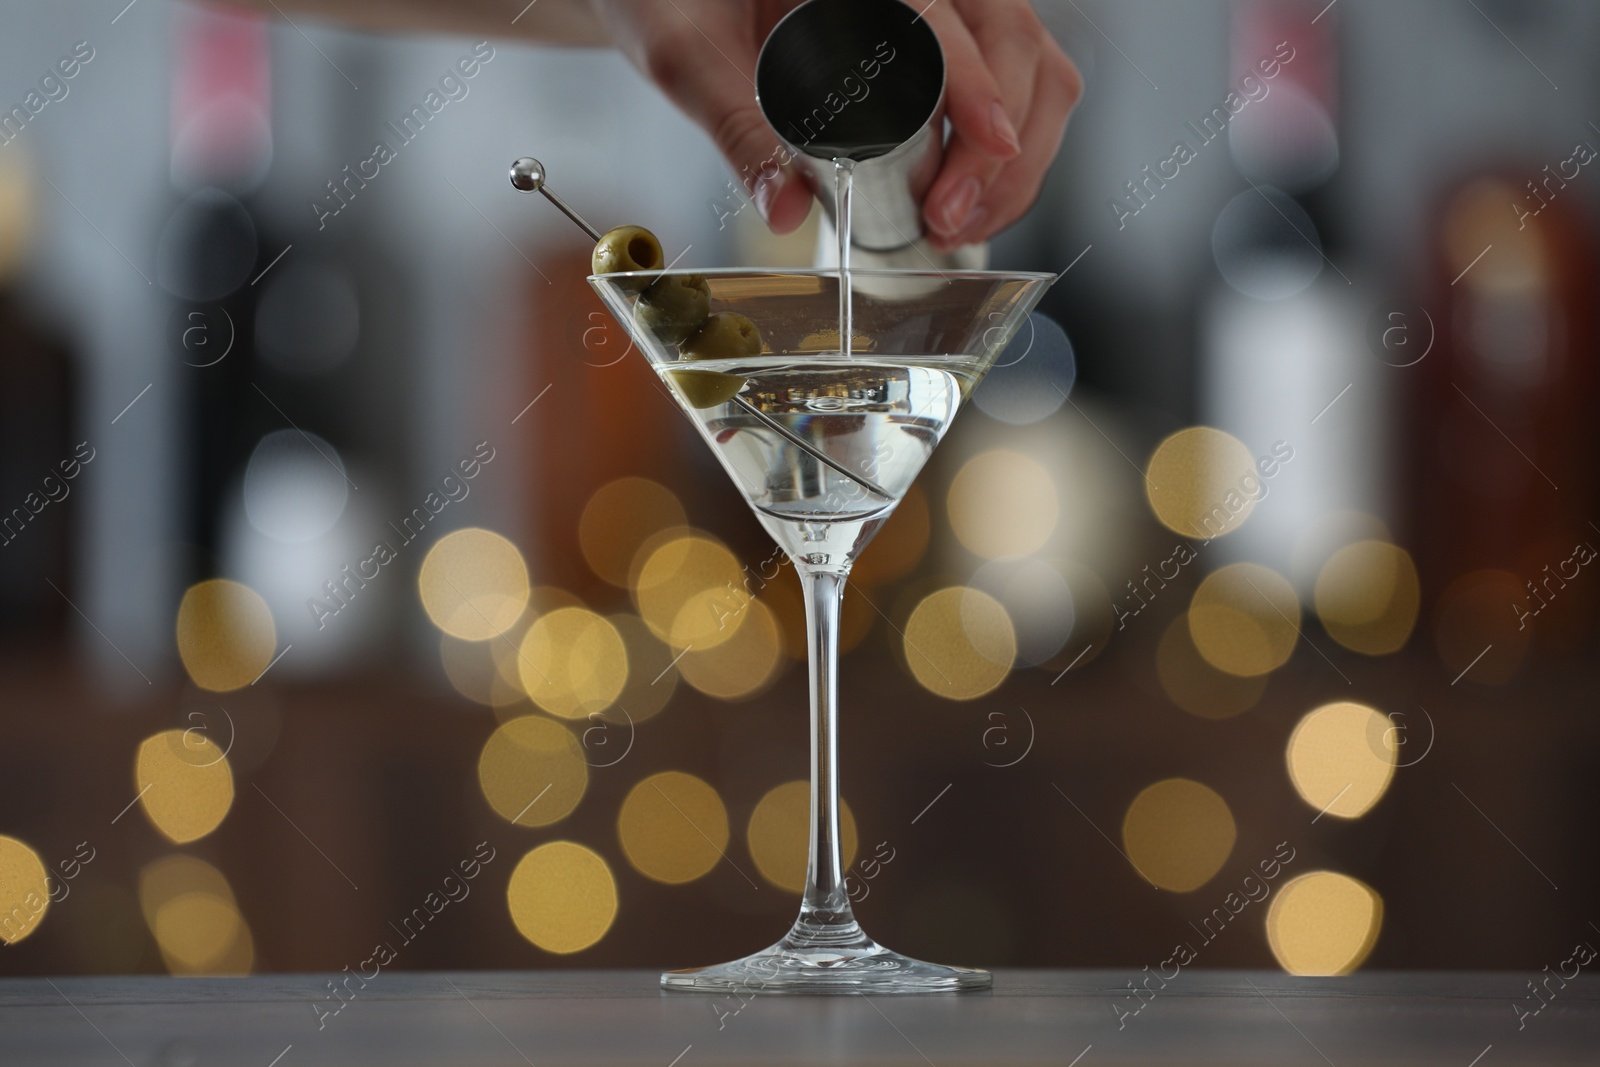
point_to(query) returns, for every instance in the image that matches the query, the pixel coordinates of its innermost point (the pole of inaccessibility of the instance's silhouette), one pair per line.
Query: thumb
(763, 163)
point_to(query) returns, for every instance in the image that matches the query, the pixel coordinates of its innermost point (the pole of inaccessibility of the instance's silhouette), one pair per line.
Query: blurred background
(346, 549)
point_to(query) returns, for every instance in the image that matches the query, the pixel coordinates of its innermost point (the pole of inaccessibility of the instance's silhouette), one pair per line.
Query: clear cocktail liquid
(877, 419)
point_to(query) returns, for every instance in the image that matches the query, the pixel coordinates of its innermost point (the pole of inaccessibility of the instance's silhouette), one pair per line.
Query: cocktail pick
(528, 176)
(817, 454)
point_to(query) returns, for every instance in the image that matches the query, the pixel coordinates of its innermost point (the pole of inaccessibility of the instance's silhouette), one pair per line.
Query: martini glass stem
(825, 919)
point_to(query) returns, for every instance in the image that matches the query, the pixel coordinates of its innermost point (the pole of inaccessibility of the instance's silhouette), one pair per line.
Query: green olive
(725, 335)
(674, 307)
(627, 248)
(705, 388)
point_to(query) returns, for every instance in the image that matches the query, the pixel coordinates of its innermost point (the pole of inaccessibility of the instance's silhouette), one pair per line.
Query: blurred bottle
(38, 399)
(210, 248)
(267, 324)
(1503, 487)
(1278, 368)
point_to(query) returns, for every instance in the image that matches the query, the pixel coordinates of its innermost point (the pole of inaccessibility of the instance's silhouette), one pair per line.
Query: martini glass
(823, 447)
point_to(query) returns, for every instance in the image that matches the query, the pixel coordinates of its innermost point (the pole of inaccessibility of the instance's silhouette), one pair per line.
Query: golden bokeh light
(472, 668)
(673, 827)
(1245, 619)
(1367, 596)
(1003, 504)
(709, 618)
(201, 934)
(24, 890)
(1342, 757)
(899, 546)
(1178, 834)
(779, 835)
(532, 771)
(506, 649)
(1323, 923)
(648, 548)
(618, 520)
(652, 674)
(572, 662)
(959, 643)
(691, 592)
(190, 909)
(473, 584)
(742, 666)
(225, 633)
(1474, 627)
(1202, 482)
(185, 784)
(171, 876)
(1195, 685)
(562, 897)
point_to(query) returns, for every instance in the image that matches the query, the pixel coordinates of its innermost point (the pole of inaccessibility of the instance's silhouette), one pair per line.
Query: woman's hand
(1008, 92)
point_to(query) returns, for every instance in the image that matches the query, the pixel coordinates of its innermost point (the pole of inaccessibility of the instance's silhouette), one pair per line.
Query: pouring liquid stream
(843, 174)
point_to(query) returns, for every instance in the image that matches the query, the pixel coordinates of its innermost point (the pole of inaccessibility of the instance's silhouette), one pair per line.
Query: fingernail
(958, 205)
(1000, 122)
(767, 190)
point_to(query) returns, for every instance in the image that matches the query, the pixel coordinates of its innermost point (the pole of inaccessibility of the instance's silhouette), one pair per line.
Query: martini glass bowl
(823, 446)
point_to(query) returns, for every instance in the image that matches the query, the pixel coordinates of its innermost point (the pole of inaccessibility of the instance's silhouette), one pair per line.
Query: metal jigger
(860, 80)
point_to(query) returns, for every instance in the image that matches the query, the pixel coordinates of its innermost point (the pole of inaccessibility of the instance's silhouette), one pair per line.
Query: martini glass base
(863, 966)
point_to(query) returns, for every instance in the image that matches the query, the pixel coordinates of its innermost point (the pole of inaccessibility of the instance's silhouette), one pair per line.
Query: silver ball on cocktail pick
(528, 176)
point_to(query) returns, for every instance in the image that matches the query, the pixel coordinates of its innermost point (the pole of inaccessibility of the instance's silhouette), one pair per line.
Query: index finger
(973, 98)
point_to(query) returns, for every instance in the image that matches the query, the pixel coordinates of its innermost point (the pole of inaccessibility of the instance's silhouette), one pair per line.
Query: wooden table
(606, 1017)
